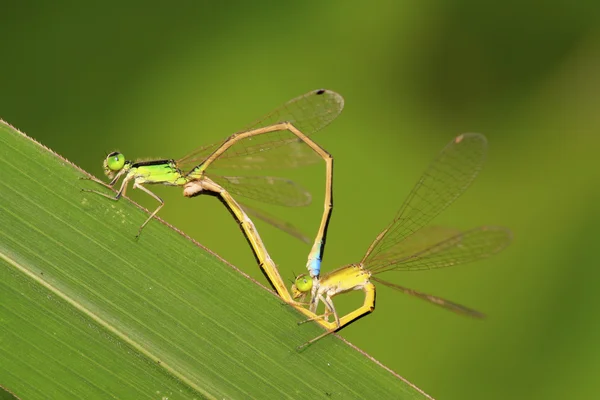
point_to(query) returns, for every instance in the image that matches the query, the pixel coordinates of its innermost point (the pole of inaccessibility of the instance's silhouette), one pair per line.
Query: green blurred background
(156, 80)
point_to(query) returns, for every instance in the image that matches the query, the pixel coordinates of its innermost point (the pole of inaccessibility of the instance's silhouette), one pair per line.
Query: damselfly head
(302, 285)
(113, 163)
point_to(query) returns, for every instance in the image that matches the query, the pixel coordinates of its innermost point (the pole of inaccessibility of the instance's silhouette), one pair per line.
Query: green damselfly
(279, 139)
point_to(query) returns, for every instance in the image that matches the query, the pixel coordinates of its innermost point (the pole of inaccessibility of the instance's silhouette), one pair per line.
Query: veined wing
(308, 113)
(458, 249)
(267, 189)
(424, 239)
(446, 178)
(438, 301)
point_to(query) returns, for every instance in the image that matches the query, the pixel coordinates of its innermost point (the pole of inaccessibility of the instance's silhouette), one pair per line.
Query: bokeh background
(157, 79)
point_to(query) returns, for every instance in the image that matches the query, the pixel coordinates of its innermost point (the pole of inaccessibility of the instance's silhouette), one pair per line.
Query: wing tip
(470, 135)
(332, 95)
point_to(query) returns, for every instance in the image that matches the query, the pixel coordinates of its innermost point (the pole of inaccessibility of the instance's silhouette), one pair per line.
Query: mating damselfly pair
(283, 138)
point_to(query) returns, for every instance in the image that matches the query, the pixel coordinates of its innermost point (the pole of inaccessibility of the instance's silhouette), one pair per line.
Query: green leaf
(87, 311)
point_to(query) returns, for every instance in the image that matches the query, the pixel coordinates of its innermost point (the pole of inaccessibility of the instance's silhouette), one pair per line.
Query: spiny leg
(162, 203)
(311, 341)
(123, 191)
(110, 185)
(329, 310)
(93, 178)
(323, 316)
(367, 307)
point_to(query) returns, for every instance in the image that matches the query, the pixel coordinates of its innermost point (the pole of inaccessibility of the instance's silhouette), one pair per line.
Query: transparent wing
(309, 113)
(197, 156)
(457, 249)
(275, 222)
(423, 239)
(267, 189)
(292, 154)
(438, 301)
(446, 178)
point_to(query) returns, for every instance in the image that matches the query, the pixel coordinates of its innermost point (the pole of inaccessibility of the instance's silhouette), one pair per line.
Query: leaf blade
(162, 308)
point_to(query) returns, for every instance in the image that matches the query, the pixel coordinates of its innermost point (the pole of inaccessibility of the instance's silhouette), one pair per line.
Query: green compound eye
(115, 161)
(303, 283)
